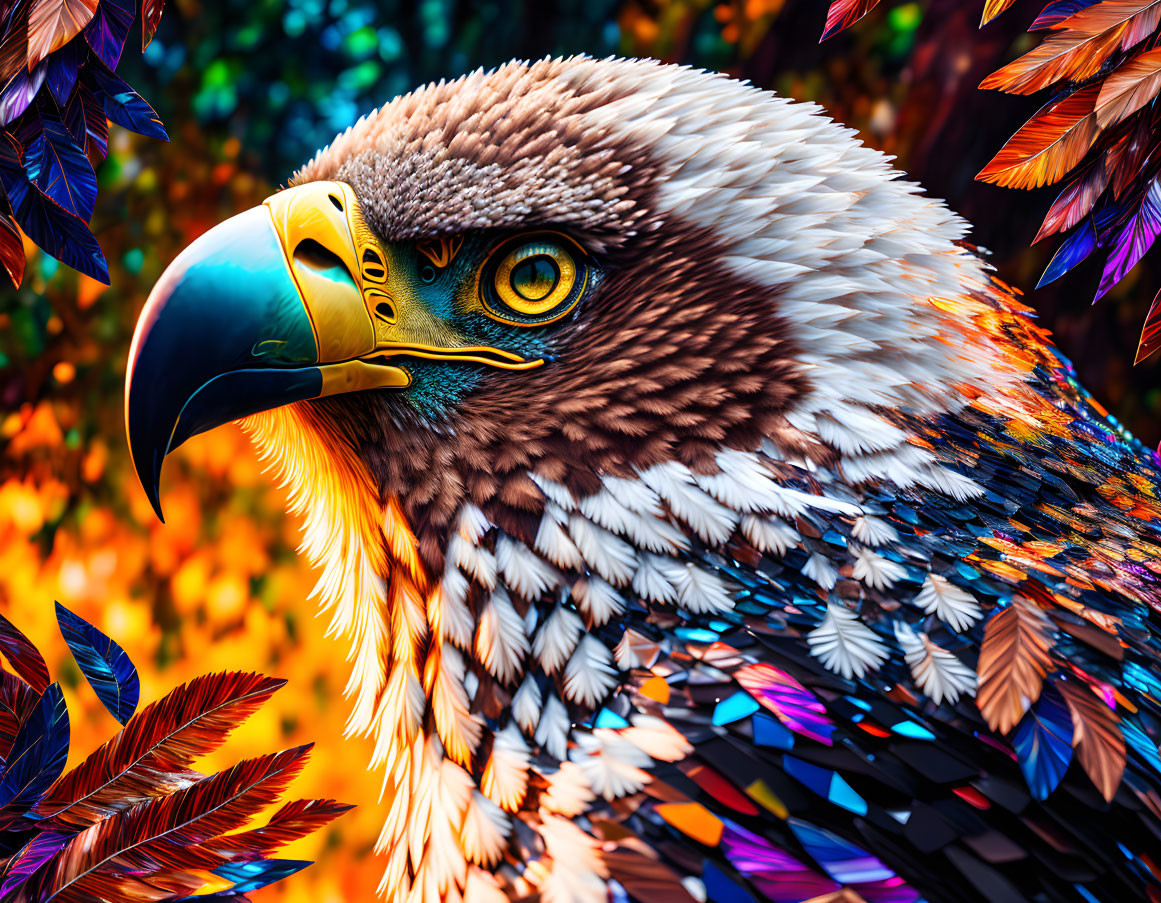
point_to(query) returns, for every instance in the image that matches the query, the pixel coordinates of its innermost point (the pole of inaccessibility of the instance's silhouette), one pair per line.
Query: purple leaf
(107, 32)
(1055, 13)
(1134, 240)
(29, 858)
(16, 96)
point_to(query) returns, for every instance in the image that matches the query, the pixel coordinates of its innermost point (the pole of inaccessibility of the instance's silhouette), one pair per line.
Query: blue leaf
(57, 231)
(84, 117)
(126, 107)
(61, 170)
(107, 30)
(1075, 249)
(248, 877)
(1043, 743)
(62, 72)
(105, 665)
(38, 755)
(1056, 12)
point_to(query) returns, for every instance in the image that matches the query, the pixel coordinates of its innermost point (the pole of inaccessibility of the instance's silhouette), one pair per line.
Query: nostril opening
(386, 311)
(334, 200)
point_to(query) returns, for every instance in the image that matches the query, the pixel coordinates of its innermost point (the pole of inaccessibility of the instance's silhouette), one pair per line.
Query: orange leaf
(1098, 741)
(1128, 88)
(843, 14)
(1013, 661)
(1150, 332)
(1048, 145)
(993, 8)
(1080, 46)
(53, 23)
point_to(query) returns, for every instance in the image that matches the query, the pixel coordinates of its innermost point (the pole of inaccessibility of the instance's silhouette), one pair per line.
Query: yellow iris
(534, 278)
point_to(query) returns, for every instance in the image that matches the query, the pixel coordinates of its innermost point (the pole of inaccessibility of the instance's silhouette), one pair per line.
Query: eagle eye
(533, 279)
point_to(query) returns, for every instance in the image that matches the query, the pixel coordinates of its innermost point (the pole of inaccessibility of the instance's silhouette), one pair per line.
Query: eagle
(708, 522)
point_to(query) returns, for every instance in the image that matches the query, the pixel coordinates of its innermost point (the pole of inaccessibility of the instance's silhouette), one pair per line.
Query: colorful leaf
(250, 876)
(105, 665)
(84, 117)
(1056, 12)
(17, 699)
(1073, 251)
(171, 830)
(993, 8)
(61, 170)
(1076, 200)
(1081, 46)
(57, 231)
(126, 107)
(107, 32)
(11, 249)
(293, 821)
(29, 858)
(1043, 743)
(61, 73)
(1014, 658)
(162, 739)
(24, 658)
(1096, 736)
(793, 704)
(1128, 88)
(1134, 240)
(842, 14)
(53, 23)
(1048, 145)
(150, 18)
(19, 91)
(38, 754)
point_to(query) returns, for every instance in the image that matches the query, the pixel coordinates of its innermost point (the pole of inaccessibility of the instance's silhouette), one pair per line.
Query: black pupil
(533, 279)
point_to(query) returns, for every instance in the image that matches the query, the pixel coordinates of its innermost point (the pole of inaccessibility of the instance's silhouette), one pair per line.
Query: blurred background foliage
(248, 89)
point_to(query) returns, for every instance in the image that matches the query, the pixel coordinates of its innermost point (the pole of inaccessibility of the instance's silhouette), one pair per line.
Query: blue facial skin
(451, 295)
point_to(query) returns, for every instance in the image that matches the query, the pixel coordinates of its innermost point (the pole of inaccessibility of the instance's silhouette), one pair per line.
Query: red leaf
(24, 658)
(1150, 332)
(53, 23)
(845, 13)
(1076, 201)
(150, 18)
(1083, 43)
(291, 822)
(1048, 145)
(11, 249)
(167, 836)
(150, 756)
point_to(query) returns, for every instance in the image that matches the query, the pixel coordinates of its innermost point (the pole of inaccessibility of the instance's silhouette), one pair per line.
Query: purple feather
(774, 872)
(1134, 240)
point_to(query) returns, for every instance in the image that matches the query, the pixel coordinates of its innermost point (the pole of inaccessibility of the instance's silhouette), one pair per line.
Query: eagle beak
(275, 305)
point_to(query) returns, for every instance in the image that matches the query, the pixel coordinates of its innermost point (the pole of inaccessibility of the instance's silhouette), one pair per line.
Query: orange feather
(1048, 145)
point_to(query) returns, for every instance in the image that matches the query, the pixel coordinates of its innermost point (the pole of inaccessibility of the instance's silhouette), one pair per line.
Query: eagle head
(529, 349)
